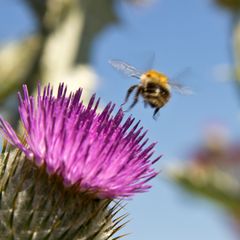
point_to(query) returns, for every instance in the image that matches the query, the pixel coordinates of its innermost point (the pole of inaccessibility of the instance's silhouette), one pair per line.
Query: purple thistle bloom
(95, 152)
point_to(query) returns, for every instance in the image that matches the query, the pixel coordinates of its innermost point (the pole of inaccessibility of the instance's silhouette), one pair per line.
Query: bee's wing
(125, 68)
(179, 88)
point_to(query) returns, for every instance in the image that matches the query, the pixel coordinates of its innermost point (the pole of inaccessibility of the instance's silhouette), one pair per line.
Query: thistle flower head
(98, 153)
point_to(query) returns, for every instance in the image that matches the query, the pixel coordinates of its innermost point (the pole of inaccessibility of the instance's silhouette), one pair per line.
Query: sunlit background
(193, 35)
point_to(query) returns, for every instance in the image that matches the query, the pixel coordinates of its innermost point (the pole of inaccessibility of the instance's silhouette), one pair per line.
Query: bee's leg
(138, 92)
(130, 90)
(156, 113)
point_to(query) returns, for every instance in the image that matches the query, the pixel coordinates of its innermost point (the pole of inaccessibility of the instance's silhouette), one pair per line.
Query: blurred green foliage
(233, 5)
(44, 55)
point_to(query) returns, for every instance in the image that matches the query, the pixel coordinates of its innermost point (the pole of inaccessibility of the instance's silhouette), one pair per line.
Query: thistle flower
(71, 163)
(93, 152)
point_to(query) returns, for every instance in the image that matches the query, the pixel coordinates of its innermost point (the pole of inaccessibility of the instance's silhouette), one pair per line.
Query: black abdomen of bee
(156, 95)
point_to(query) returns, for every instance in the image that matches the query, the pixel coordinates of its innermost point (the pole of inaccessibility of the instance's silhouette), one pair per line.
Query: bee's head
(155, 76)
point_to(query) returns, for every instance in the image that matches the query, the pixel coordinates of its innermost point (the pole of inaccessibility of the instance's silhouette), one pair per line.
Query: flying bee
(155, 87)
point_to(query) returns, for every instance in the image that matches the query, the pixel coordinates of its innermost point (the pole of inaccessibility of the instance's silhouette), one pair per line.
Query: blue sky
(195, 35)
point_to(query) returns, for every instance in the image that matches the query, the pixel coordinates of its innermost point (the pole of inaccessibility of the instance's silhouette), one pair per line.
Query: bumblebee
(155, 87)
